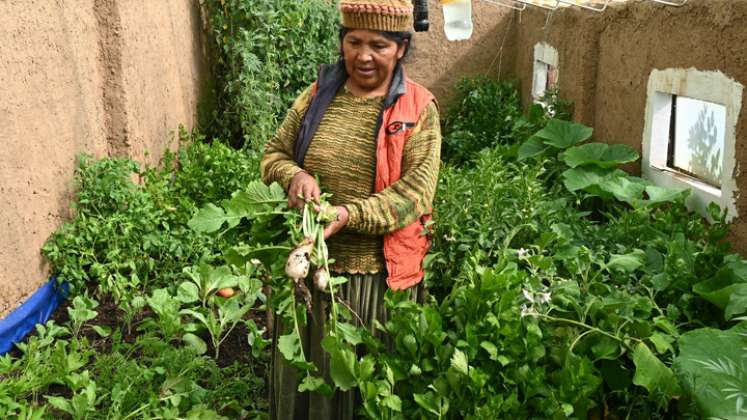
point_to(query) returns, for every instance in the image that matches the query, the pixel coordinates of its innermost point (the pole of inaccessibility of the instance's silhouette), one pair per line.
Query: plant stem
(588, 327)
(269, 248)
(296, 327)
(324, 255)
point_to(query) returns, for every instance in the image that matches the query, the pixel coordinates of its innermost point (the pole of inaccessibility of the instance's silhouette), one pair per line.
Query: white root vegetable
(297, 268)
(311, 248)
(299, 260)
(321, 280)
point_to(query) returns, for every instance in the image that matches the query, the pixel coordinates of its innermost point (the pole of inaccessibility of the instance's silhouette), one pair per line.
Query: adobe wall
(605, 61)
(105, 77)
(438, 64)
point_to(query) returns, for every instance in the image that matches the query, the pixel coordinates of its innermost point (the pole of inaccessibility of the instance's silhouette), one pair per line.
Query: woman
(372, 138)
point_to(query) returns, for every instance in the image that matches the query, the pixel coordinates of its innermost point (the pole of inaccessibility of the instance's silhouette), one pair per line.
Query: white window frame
(544, 55)
(709, 86)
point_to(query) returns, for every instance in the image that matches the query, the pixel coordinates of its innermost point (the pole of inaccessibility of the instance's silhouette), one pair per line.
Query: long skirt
(365, 295)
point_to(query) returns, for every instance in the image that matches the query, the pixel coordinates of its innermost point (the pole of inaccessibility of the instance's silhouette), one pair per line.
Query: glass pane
(699, 138)
(540, 78)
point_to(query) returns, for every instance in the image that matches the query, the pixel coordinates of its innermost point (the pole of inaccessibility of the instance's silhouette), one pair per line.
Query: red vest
(404, 249)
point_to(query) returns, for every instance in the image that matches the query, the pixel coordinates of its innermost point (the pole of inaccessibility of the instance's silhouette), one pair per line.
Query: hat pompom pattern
(377, 15)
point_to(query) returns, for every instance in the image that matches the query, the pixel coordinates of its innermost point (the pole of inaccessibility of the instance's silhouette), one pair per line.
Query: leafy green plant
(202, 171)
(484, 116)
(220, 323)
(83, 402)
(217, 315)
(168, 322)
(712, 369)
(727, 289)
(204, 282)
(82, 311)
(267, 52)
(121, 233)
(556, 136)
(48, 358)
(22, 410)
(561, 287)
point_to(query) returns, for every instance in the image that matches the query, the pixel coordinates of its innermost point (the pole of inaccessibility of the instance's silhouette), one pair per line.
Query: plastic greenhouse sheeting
(37, 309)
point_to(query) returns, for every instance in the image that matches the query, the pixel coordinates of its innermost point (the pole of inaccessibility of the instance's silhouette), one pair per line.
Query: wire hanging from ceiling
(671, 3)
(521, 5)
(541, 5)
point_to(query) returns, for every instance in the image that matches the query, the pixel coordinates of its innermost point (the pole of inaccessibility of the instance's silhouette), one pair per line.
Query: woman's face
(370, 59)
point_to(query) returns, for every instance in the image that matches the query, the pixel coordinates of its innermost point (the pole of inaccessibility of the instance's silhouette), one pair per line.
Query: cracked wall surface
(104, 77)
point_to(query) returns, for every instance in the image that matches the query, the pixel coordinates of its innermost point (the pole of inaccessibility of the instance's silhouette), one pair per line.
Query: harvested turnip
(321, 280)
(297, 268)
(299, 260)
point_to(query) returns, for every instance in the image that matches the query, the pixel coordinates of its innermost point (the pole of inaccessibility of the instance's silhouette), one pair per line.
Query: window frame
(547, 55)
(709, 86)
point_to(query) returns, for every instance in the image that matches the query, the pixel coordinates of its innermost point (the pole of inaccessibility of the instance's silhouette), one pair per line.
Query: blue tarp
(40, 306)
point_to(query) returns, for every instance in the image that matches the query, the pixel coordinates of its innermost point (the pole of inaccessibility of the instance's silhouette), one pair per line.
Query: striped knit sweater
(342, 155)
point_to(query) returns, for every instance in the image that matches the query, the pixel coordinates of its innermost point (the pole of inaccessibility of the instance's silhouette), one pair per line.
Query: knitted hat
(377, 15)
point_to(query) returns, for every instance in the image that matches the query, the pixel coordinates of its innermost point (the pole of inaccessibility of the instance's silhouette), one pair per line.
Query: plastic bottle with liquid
(457, 19)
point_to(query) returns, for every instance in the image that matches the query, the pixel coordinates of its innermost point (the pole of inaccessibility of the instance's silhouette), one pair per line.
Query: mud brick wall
(105, 77)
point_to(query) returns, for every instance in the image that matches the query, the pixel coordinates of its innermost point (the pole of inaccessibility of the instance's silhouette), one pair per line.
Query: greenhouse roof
(592, 5)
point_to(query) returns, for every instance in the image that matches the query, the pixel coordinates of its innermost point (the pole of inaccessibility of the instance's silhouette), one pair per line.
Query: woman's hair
(401, 38)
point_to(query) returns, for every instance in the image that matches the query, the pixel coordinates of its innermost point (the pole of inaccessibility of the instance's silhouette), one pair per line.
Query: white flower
(255, 261)
(528, 295)
(527, 311)
(522, 252)
(544, 298)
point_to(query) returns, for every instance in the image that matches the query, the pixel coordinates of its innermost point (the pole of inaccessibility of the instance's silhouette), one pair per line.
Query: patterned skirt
(365, 295)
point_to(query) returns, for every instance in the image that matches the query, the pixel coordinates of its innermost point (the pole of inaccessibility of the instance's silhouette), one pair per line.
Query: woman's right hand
(303, 188)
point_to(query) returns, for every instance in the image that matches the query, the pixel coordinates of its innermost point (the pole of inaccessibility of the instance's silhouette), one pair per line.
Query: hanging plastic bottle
(457, 19)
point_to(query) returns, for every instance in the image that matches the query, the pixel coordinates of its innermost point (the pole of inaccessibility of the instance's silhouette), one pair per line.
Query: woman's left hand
(337, 225)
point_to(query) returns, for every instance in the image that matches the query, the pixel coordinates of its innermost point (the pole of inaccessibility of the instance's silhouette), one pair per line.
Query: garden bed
(561, 286)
